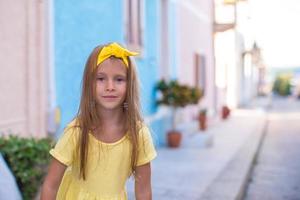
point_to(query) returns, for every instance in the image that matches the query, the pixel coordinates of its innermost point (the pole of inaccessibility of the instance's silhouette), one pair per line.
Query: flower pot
(174, 139)
(202, 121)
(225, 112)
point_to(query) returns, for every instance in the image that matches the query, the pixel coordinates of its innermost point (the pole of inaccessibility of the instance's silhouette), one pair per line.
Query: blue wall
(81, 25)
(78, 27)
(148, 66)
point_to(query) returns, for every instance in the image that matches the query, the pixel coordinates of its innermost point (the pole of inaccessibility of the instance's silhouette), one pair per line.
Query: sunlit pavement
(276, 174)
(216, 163)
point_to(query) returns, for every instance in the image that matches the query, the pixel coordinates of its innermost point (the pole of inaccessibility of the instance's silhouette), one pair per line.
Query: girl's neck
(110, 118)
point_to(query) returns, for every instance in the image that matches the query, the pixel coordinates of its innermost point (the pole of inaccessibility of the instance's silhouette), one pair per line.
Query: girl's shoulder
(72, 129)
(141, 125)
(73, 124)
(143, 129)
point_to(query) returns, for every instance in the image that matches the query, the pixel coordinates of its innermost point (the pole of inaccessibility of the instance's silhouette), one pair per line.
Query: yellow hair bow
(116, 50)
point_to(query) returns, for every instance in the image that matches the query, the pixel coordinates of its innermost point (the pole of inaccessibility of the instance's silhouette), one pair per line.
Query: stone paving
(187, 172)
(276, 175)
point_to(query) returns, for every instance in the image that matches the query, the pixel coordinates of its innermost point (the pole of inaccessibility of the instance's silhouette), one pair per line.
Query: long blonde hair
(87, 116)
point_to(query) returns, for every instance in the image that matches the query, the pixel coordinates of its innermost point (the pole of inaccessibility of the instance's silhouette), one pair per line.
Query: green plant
(196, 94)
(177, 95)
(282, 85)
(28, 159)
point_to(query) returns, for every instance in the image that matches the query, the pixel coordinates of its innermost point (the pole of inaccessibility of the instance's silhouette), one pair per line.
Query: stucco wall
(81, 25)
(195, 35)
(78, 27)
(23, 67)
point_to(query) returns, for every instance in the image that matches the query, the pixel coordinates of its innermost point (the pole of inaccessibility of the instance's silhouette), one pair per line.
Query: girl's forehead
(112, 65)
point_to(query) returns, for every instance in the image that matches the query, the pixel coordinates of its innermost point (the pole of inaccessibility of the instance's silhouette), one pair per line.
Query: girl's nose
(110, 85)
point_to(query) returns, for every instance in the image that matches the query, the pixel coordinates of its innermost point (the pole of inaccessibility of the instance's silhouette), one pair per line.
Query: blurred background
(238, 55)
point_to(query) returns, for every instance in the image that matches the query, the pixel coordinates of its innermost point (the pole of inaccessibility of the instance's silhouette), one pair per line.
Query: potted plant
(176, 95)
(203, 119)
(225, 112)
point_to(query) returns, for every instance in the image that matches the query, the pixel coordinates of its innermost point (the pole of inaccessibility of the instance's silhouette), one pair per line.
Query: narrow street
(276, 174)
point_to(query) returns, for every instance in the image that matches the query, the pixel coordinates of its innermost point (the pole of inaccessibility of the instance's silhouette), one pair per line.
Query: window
(134, 23)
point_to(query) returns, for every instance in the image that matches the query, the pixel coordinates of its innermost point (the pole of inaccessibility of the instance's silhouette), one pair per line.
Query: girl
(107, 140)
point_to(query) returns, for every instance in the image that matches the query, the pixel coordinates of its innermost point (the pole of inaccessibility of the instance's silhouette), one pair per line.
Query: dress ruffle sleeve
(146, 149)
(65, 147)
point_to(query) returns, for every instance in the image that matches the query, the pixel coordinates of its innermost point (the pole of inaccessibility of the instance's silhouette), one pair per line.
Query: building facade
(47, 49)
(24, 67)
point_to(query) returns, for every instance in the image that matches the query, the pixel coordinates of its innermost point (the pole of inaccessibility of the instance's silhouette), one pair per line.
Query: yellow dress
(108, 165)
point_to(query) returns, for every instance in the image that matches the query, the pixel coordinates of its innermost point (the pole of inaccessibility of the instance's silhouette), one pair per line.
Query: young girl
(107, 141)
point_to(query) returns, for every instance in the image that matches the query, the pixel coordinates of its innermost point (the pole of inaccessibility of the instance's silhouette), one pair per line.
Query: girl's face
(111, 84)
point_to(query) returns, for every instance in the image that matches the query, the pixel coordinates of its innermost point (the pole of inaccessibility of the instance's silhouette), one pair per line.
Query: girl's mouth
(109, 97)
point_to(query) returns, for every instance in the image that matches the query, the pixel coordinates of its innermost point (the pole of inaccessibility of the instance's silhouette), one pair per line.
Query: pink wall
(23, 67)
(195, 35)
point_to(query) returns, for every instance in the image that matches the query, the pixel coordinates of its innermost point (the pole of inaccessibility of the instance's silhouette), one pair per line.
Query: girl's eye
(100, 79)
(120, 79)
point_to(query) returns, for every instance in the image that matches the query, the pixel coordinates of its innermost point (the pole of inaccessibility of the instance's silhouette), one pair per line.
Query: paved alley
(188, 173)
(276, 175)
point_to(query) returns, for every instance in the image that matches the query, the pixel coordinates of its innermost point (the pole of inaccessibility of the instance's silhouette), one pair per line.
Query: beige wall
(23, 67)
(195, 35)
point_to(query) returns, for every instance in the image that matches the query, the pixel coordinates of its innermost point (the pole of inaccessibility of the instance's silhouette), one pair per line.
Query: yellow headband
(115, 50)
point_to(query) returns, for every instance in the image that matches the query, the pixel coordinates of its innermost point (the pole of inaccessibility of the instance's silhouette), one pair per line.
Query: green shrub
(282, 85)
(177, 95)
(28, 159)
